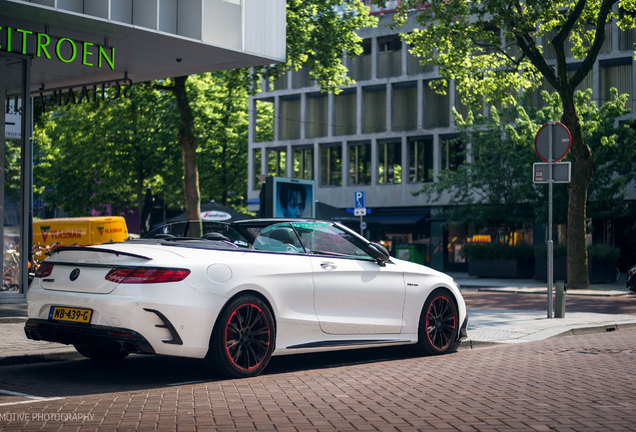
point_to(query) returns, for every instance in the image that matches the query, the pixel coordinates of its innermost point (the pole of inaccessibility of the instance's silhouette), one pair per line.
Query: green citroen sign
(64, 49)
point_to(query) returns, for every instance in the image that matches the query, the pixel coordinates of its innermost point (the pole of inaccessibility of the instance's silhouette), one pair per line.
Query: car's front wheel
(438, 324)
(243, 338)
(100, 354)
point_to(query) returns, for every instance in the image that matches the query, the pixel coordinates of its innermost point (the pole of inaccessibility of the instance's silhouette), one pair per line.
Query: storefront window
(12, 139)
(455, 244)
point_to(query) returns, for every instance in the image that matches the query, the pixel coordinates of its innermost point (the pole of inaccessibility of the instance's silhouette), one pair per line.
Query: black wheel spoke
(247, 336)
(441, 322)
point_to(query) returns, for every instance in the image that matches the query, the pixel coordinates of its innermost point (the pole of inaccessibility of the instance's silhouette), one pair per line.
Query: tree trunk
(188, 153)
(582, 167)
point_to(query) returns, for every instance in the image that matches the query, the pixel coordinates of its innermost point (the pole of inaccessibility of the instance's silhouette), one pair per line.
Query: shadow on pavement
(140, 372)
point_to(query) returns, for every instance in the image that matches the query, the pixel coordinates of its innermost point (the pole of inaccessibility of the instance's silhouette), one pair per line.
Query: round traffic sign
(561, 141)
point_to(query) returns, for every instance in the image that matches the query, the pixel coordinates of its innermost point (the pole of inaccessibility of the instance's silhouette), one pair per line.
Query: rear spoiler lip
(94, 249)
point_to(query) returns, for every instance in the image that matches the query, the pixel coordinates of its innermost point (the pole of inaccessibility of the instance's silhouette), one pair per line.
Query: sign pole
(552, 143)
(360, 208)
(550, 242)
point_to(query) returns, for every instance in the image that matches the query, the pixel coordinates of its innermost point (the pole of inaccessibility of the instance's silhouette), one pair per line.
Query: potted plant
(499, 260)
(602, 262)
(560, 265)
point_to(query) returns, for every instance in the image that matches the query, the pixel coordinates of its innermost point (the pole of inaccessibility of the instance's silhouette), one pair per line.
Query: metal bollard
(559, 300)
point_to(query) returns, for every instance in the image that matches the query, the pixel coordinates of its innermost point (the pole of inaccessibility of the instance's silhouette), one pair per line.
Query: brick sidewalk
(580, 383)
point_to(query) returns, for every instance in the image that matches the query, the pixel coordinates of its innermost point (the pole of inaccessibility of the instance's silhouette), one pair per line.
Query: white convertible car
(240, 293)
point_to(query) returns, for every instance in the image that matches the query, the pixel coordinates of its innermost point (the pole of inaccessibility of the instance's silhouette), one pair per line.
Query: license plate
(79, 315)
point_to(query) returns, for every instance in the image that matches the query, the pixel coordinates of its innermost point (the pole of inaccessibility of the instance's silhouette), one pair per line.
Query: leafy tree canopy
(319, 34)
(497, 188)
(492, 49)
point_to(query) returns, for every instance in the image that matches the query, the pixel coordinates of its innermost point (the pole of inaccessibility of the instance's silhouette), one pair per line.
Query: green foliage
(12, 169)
(220, 104)
(496, 187)
(603, 252)
(494, 48)
(492, 251)
(91, 155)
(319, 35)
(614, 149)
(600, 251)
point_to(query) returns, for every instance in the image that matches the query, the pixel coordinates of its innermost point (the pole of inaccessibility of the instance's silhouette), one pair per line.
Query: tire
(438, 327)
(100, 354)
(243, 338)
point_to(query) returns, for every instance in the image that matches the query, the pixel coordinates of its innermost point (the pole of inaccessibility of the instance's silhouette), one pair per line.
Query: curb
(24, 359)
(467, 344)
(588, 293)
(596, 329)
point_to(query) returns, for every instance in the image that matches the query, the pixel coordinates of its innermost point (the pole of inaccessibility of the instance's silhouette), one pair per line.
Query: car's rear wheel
(99, 353)
(243, 338)
(438, 324)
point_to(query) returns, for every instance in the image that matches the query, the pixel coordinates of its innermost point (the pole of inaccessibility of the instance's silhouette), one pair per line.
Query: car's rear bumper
(114, 338)
(463, 332)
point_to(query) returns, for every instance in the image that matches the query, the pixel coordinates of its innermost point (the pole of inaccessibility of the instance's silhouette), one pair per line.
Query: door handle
(328, 265)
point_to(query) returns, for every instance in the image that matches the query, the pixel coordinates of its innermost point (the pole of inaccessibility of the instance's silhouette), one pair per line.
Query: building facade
(387, 135)
(84, 50)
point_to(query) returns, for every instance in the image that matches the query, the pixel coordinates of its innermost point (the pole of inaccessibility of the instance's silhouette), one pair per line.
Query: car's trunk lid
(84, 269)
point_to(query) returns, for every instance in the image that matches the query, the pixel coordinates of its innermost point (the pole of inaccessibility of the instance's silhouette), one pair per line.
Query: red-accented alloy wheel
(243, 338)
(247, 337)
(438, 327)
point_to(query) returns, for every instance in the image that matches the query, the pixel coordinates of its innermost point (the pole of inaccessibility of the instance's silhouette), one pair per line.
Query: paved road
(577, 383)
(624, 305)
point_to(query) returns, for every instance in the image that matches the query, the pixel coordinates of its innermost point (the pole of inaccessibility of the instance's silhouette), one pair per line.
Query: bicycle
(40, 253)
(10, 270)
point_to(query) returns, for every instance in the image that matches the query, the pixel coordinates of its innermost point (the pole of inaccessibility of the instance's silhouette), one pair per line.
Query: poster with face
(293, 198)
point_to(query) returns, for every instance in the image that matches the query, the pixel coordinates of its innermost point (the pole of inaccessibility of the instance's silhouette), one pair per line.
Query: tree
(494, 48)
(90, 155)
(221, 125)
(496, 188)
(208, 113)
(319, 34)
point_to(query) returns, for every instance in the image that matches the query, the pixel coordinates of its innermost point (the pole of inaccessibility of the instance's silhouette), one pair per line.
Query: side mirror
(378, 252)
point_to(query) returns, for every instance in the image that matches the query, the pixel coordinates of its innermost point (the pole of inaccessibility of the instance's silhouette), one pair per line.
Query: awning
(396, 219)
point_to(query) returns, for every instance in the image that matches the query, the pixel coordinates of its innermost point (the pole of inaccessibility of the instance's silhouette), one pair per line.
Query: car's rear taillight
(44, 270)
(146, 275)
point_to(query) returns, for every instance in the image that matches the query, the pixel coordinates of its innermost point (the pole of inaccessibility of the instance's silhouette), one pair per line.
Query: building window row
(409, 109)
(390, 166)
(308, 116)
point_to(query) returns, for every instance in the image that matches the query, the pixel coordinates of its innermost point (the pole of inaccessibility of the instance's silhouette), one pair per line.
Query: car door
(353, 294)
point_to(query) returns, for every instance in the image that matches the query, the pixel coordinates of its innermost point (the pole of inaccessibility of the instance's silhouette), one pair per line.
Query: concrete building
(74, 50)
(386, 135)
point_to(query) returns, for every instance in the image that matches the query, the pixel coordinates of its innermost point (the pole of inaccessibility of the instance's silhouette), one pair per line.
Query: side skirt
(352, 343)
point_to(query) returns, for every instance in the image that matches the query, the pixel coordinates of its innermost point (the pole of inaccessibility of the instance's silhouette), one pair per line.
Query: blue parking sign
(359, 199)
